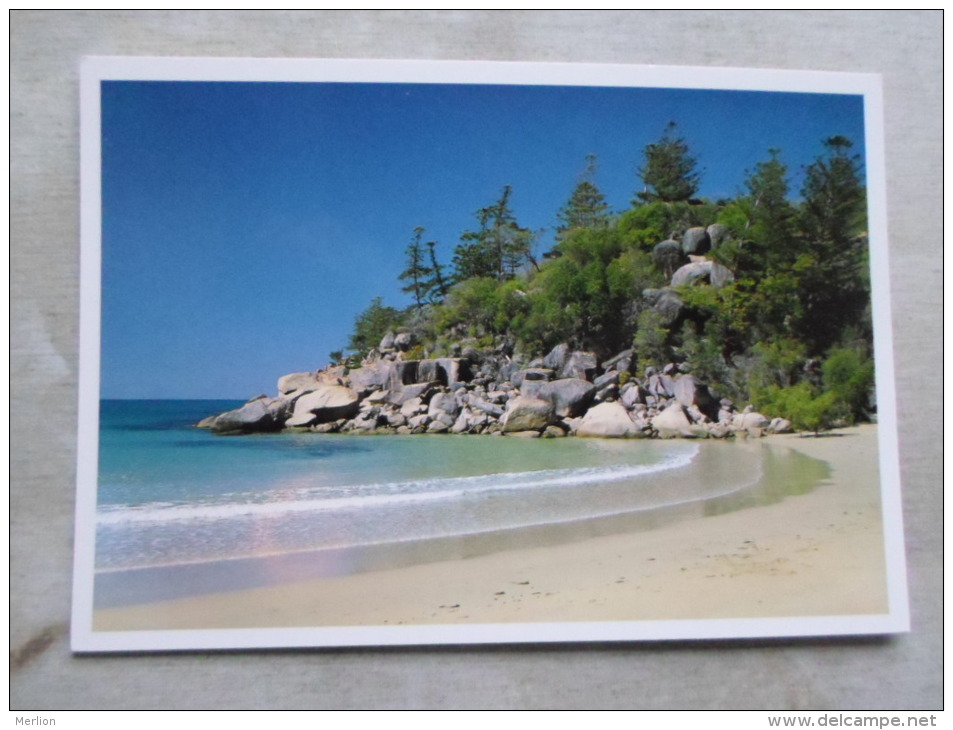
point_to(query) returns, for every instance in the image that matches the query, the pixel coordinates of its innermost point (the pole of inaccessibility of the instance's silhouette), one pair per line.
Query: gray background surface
(903, 672)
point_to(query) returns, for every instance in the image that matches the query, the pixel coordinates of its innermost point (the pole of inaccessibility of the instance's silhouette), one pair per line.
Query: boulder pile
(492, 392)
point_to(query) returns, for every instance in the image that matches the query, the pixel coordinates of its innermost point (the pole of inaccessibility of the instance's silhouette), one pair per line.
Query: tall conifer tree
(416, 271)
(586, 207)
(670, 172)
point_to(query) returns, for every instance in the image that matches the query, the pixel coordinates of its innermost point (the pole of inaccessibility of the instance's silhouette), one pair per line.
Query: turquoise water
(171, 494)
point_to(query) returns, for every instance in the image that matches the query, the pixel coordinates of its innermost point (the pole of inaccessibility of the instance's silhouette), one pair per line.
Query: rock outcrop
(486, 392)
(258, 415)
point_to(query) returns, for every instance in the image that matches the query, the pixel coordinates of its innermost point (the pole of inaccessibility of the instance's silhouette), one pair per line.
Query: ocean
(174, 500)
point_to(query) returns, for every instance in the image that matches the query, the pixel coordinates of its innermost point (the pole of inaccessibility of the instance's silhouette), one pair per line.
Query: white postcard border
(97, 69)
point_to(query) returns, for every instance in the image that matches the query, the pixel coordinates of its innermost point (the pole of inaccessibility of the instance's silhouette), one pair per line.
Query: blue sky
(245, 225)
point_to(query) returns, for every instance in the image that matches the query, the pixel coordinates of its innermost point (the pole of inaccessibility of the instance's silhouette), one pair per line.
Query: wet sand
(813, 554)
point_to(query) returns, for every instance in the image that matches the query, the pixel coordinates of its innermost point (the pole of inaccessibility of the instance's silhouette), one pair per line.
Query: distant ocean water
(170, 494)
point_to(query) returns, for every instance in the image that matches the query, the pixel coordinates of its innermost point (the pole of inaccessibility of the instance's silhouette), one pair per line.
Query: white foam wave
(386, 494)
(734, 487)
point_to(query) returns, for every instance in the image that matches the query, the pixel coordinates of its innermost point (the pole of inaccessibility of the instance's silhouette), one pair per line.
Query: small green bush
(849, 375)
(801, 405)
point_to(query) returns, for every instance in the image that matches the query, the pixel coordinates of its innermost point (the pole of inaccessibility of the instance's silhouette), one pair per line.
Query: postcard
(413, 352)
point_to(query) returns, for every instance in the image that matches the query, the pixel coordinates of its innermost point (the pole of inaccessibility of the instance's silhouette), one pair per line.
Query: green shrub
(736, 216)
(472, 303)
(779, 362)
(371, 325)
(849, 375)
(646, 225)
(801, 405)
(703, 355)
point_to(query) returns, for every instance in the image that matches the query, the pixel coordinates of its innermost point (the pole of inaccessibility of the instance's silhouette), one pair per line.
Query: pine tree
(436, 287)
(416, 272)
(472, 257)
(669, 172)
(498, 248)
(771, 215)
(586, 207)
(833, 217)
(833, 195)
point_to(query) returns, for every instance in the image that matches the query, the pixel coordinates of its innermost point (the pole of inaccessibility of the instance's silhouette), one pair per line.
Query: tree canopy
(670, 171)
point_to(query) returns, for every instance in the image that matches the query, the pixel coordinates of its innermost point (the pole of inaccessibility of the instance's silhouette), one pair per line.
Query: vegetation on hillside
(791, 333)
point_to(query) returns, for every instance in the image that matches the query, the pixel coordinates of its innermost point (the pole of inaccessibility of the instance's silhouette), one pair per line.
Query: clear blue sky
(245, 225)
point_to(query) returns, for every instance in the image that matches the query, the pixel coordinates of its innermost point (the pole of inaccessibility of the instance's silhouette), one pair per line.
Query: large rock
(444, 407)
(297, 381)
(403, 341)
(439, 426)
(557, 357)
(479, 404)
(717, 234)
(462, 424)
(621, 362)
(447, 371)
(507, 371)
(720, 275)
(691, 272)
(418, 423)
(716, 274)
(661, 386)
(393, 417)
(580, 364)
(750, 421)
(696, 241)
(571, 397)
(406, 372)
(668, 256)
(409, 392)
(374, 376)
(780, 425)
(413, 407)
(453, 370)
(530, 380)
(666, 302)
(632, 395)
(606, 379)
(689, 391)
(473, 354)
(387, 342)
(427, 371)
(674, 421)
(325, 404)
(528, 414)
(366, 420)
(607, 420)
(261, 414)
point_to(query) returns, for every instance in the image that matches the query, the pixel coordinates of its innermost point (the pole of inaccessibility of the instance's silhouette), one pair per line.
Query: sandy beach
(814, 554)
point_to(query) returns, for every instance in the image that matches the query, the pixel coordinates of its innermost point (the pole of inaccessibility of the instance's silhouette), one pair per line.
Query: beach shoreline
(815, 554)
